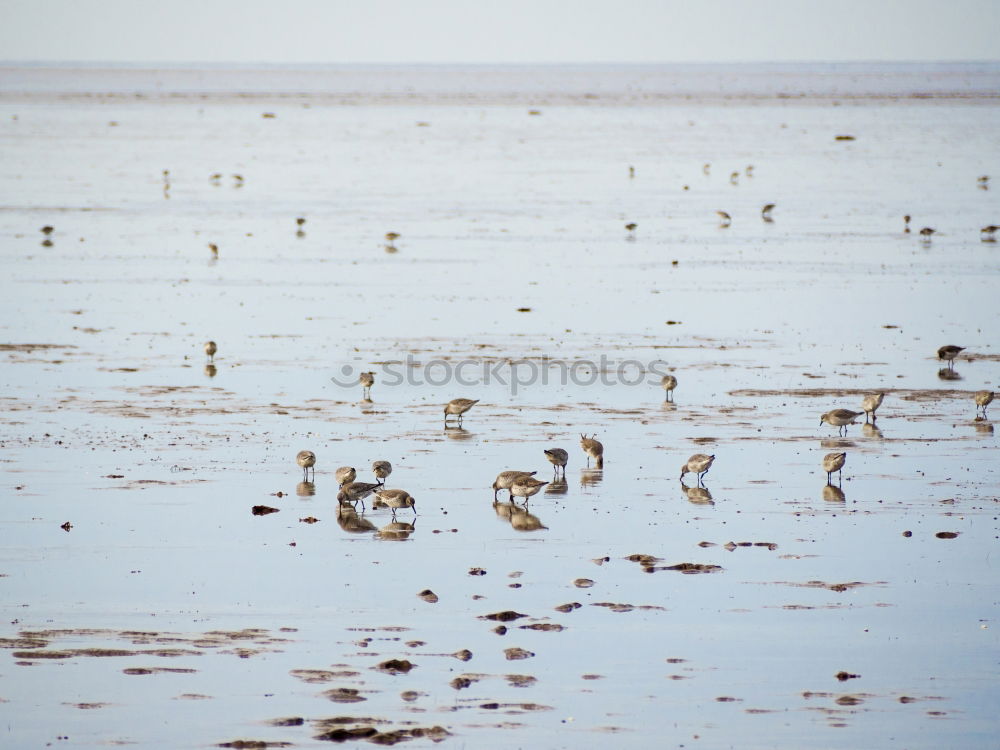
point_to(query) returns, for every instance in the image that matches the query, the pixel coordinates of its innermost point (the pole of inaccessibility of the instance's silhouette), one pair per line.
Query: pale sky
(505, 31)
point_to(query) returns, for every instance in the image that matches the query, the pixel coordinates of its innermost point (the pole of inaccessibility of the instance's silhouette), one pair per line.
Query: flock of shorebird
(523, 484)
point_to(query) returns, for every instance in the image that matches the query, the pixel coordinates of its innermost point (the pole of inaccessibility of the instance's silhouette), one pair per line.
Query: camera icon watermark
(513, 374)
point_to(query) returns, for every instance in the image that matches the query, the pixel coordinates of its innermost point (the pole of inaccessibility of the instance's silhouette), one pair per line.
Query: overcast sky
(512, 31)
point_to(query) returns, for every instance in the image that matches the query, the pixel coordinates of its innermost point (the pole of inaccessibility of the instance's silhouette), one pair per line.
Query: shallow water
(212, 623)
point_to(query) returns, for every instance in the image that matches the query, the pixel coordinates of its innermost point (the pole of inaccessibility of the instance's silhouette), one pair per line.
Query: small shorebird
(749, 170)
(356, 492)
(594, 449)
(706, 167)
(345, 475)
(949, 352)
(983, 181)
(833, 462)
(631, 171)
(47, 230)
(458, 407)
(367, 380)
(840, 418)
(765, 213)
(381, 469)
(926, 232)
(870, 403)
(906, 223)
(734, 178)
(668, 383)
(395, 499)
(989, 233)
(210, 350)
(525, 486)
(300, 221)
(698, 464)
(506, 478)
(214, 248)
(391, 238)
(631, 227)
(307, 460)
(558, 458)
(724, 219)
(983, 399)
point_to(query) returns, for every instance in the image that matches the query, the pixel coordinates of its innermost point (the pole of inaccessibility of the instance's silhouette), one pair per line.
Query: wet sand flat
(168, 579)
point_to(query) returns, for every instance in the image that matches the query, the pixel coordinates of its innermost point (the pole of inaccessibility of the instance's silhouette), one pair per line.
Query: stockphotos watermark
(515, 374)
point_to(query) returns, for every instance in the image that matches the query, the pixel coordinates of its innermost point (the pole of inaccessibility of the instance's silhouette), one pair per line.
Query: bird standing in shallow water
(698, 464)
(525, 486)
(506, 478)
(307, 460)
(870, 403)
(381, 469)
(356, 492)
(558, 458)
(724, 219)
(345, 475)
(833, 462)
(668, 383)
(367, 380)
(840, 418)
(457, 407)
(983, 399)
(765, 213)
(949, 352)
(594, 449)
(394, 499)
(210, 350)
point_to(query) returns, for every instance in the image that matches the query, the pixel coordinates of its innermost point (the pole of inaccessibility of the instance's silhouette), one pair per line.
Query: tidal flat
(167, 577)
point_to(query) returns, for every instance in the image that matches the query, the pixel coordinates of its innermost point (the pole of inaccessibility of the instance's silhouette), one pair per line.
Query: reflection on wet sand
(591, 477)
(833, 444)
(833, 494)
(983, 427)
(947, 373)
(397, 531)
(455, 432)
(697, 495)
(305, 489)
(557, 487)
(349, 520)
(211, 371)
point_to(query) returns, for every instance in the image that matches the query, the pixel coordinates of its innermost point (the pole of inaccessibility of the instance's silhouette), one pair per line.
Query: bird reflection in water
(869, 430)
(519, 518)
(557, 487)
(697, 495)
(457, 433)
(833, 494)
(305, 489)
(591, 477)
(837, 444)
(397, 531)
(349, 520)
(948, 373)
(983, 427)
(211, 370)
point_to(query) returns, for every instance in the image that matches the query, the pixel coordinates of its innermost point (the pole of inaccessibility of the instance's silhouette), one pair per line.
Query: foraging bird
(367, 380)
(307, 460)
(724, 219)
(594, 449)
(698, 464)
(391, 237)
(214, 248)
(457, 407)
(765, 213)
(345, 475)
(749, 170)
(926, 232)
(949, 352)
(381, 469)
(706, 167)
(988, 233)
(47, 230)
(506, 478)
(356, 492)
(734, 178)
(631, 227)
(906, 223)
(210, 350)
(668, 383)
(983, 399)
(833, 462)
(300, 221)
(525, 486)
(395, 499)
(558, 458)
(870, 403)
(840, 418)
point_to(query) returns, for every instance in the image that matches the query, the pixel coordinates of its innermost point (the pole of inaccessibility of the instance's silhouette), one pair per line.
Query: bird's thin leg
(829, 474)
